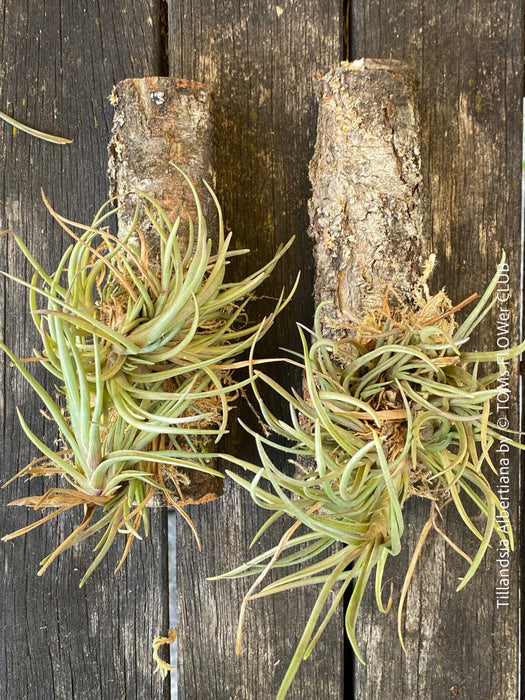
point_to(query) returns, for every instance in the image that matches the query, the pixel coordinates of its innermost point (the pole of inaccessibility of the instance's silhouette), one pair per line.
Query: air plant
(399, 410)
(144, 352)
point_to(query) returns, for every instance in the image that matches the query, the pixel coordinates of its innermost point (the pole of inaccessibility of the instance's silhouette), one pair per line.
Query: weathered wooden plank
(260, 59)
(468, 62)
(58, 64)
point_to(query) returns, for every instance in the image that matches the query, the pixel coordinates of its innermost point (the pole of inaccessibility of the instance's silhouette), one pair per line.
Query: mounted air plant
(401, 410)
(143, 350)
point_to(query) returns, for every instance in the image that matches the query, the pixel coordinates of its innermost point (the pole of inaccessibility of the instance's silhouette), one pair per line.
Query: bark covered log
(159, 121)
(365, 210)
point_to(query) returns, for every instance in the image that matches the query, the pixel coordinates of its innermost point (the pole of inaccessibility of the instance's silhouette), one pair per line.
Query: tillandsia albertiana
(144, 352)
(400, 410)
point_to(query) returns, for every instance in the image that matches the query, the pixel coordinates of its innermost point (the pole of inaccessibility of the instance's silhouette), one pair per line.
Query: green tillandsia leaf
(492, 356)
(292, 434)
(380, 568)
(309, 630)
(75, 383)
(149, 422)
(209, 291)
(312, 574)
(188, 335)
(60, 140)
(334, 433)
(258, 563)
(153, 394)
(95, 254)
(50, 405)
(106, 542)
(396, 517)
(172, 266)
(179, 297)
(292, 508)
(480, 310)
(260, 496)
(83, 320)
(490, 514)
(75, 474)
(321, 464)
(98, 406)
(365, 569)
(34, 262)
(173, 457)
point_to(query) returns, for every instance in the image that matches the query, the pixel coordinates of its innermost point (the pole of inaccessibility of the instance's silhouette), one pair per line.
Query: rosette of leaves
(143, 351)
(399, 411)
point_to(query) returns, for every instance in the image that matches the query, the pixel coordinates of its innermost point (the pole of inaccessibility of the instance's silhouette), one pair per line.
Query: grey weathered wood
(365, 210)
(58, 63)
(260, 59)
(468, 63)
(160, 122)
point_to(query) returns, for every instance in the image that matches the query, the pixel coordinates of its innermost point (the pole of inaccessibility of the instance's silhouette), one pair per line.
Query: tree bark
(365, 210)
(160, 122)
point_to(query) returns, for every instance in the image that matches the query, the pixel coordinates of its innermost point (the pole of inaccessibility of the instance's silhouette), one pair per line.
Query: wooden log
(365, 210)
(366, 215)
(158, 122)
(468, 62)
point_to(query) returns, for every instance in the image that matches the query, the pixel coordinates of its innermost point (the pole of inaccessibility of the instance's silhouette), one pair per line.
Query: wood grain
(260, 60)
(468, 62)
(58, 64)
